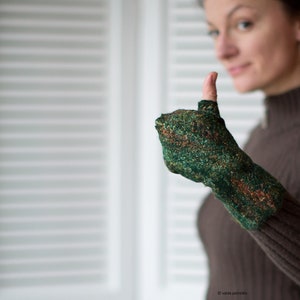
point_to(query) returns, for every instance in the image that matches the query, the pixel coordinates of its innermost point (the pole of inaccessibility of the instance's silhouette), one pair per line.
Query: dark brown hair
(291, 6)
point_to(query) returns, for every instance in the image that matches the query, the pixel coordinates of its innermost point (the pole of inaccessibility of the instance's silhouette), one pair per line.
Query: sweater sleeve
(279, 237)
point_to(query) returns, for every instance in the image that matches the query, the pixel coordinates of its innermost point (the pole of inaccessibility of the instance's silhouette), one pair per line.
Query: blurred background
(87, 207)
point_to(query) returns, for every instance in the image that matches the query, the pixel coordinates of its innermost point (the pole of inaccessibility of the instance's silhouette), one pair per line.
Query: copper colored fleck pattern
(197, 145)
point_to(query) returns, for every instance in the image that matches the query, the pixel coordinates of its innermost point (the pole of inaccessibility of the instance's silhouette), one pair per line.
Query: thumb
(209, 90)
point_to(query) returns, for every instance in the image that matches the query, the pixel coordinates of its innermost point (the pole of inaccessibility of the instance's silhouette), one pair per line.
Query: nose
(225, 47)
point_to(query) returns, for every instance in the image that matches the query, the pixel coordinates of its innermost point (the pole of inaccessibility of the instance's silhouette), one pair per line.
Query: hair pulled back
(291, 6)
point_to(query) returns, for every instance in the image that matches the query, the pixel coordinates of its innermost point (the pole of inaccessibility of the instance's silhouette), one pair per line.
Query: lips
(238, 69)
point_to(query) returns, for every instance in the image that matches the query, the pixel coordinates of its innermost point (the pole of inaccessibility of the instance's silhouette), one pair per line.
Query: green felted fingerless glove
(197, 145)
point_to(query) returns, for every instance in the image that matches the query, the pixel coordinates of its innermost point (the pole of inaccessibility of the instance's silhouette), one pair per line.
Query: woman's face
(257, 42)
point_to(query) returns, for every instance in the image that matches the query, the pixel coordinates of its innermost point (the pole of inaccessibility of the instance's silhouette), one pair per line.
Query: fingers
(209, 90)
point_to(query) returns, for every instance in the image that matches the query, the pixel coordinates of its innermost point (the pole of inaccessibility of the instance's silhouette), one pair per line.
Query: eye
(244, 25)
(214, 33)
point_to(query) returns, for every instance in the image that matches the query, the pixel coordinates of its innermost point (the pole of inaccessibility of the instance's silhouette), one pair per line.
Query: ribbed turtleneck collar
(283, 111)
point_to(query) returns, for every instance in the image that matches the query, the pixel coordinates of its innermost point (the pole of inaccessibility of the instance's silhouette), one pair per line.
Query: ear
(297, 28)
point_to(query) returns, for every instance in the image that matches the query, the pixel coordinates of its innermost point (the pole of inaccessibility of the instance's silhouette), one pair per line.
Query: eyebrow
(233, 10)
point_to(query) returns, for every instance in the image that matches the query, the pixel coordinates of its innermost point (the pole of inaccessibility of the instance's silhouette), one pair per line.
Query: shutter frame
(59, 149)
(189, 58)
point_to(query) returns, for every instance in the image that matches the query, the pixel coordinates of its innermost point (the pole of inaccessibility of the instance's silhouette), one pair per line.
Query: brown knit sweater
(263, 264)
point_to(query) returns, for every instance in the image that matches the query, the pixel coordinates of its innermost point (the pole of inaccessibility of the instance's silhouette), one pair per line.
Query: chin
(243, 86)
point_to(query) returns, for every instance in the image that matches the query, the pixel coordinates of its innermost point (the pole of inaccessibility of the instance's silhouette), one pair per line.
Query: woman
(250, 224)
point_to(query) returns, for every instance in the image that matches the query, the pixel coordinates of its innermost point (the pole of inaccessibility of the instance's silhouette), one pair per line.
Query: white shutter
(181, 56)
(59, 228)
(190, 57)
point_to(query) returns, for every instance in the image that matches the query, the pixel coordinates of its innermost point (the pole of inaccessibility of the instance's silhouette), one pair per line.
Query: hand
(194, 142)
(197, 145)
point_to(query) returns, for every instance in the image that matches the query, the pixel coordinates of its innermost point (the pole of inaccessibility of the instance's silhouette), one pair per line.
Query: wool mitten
(197, 145)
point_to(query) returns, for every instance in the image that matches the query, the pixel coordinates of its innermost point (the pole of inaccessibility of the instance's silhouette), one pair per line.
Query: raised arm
(197, 145)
